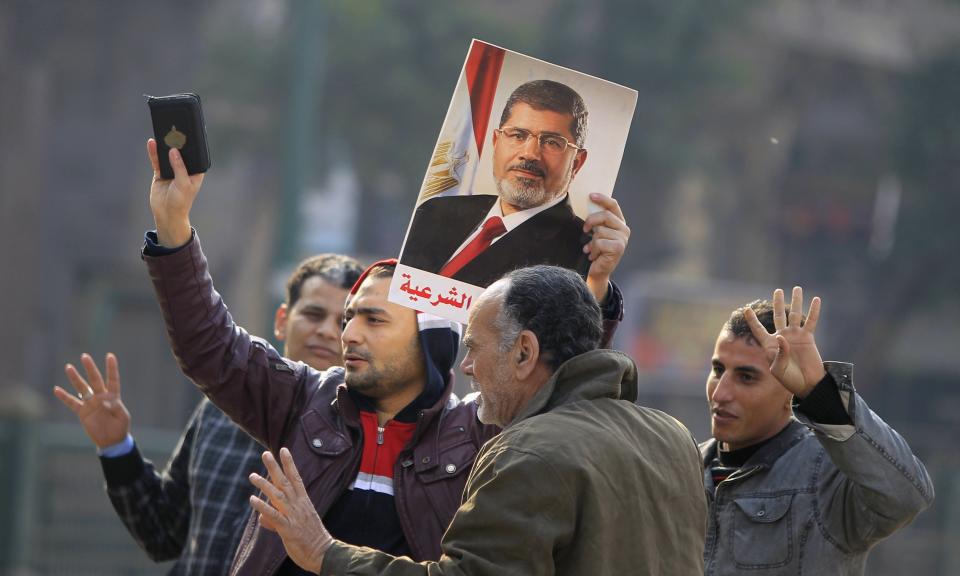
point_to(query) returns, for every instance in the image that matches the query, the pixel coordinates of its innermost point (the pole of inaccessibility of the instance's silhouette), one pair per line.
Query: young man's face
(747, 403)
(381, 344)
(310, 329)
(526, 175)
(489, 368)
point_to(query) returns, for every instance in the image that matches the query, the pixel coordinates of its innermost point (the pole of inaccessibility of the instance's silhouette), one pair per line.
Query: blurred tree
(917, 278)
(391, 69)
(927, 151)
(667, 52)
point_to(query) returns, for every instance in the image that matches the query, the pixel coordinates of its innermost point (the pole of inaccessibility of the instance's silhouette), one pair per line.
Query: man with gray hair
(580, 481)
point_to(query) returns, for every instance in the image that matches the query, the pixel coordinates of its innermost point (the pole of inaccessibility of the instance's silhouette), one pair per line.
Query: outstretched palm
(99, 408)
(290, 512)
(792, 349)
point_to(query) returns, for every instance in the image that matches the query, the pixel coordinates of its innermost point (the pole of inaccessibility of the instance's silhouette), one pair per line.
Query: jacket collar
(423, 408)
(769, 453)
(591, 375)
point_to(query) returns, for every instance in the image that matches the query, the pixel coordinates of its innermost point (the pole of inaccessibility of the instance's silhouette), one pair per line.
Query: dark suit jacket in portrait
(440, 225)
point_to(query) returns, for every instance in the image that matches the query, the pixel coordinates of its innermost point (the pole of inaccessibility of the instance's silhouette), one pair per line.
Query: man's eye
(518, 135)
(553, 144)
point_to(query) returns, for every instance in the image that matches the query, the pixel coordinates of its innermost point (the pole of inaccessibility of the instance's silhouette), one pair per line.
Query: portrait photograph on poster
(523, 144)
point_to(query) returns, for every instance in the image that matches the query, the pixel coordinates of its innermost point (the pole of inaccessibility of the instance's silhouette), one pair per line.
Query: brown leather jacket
(283, 403)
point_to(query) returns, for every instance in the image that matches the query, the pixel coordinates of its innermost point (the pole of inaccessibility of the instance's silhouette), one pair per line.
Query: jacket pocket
(451, 462)
(442, 484)
(762, 532)
(320, 435)
(319, 449)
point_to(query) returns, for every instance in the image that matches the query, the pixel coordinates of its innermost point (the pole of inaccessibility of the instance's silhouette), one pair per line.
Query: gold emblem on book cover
(175, 138)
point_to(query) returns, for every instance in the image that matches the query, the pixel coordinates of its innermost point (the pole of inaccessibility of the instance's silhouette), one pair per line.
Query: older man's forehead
(497, 289)
(484, 311)
(522, 114)
(492, 296)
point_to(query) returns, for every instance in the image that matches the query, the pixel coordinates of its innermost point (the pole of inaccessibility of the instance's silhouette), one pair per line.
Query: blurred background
(774, 143)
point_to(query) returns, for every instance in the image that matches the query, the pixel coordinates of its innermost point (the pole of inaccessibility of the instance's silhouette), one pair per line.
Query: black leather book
(178, 123)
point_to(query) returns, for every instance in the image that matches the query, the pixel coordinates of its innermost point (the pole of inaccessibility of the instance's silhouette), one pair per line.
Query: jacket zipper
(376, 457)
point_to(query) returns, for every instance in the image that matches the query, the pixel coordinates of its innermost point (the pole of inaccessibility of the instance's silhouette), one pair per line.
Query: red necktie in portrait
(492, 229)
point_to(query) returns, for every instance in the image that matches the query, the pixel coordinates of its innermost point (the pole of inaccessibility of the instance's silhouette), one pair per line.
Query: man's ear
(527, 351)
(579, 160)
(280, 323)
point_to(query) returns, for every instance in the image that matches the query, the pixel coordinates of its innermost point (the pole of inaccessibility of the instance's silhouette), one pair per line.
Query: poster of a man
(498, 199)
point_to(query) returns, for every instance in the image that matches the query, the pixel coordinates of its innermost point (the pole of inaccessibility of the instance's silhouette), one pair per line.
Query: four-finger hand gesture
(610, 236)
(792, 349)
(171, 200)
(97, 405)
(290, 513)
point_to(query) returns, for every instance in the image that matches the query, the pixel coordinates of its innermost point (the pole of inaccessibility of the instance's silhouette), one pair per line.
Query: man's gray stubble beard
(531, 196)
(523, 197)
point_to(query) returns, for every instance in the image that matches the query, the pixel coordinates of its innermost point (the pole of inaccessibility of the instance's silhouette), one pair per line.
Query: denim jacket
(816, 498)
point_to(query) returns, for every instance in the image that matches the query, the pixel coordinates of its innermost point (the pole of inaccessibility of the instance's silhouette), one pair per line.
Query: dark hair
(737, 323)
(553, 96)
(556, 305)
(337, 269)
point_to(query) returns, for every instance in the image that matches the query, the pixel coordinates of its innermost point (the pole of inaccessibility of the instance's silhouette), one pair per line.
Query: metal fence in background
(55, 518)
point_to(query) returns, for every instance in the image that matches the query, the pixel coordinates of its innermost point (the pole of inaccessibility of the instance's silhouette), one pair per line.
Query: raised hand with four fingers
(792, 349)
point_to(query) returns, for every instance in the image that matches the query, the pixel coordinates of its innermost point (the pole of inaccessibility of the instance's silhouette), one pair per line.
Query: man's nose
(722, 392)
(329, 328)
(351, 334)
(466, 366)
(531, 147)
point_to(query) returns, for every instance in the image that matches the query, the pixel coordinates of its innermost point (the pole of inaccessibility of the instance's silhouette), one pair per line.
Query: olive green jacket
(583, 481)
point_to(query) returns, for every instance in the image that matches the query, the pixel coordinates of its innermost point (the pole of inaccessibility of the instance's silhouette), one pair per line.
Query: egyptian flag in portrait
(455, 159)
